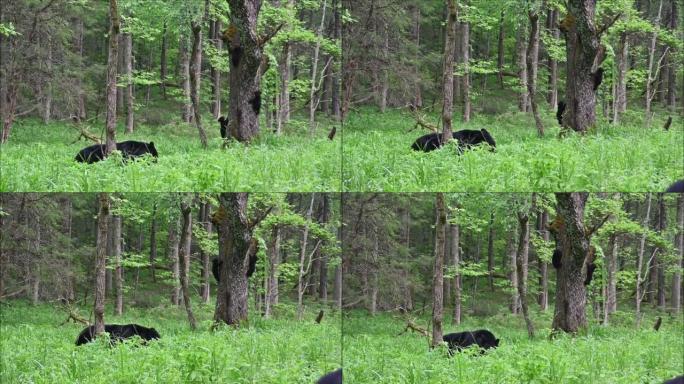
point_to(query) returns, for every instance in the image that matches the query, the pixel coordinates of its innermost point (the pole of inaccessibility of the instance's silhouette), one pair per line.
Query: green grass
(378, 156)
(34, 348)
(374, 353)
(40, 157)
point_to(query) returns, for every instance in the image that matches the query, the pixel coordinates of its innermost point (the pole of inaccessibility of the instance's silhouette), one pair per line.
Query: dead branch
(410, 325)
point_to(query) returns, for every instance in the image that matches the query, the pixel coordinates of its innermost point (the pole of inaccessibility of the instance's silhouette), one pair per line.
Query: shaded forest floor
(40, 158)
(378, 155)
(34, 348)
(374, 353)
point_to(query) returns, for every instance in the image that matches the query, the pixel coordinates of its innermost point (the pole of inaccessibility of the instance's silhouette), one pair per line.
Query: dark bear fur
(129, 149)
(118, 333)
(235, 55)
(590, 273)
(556, 259)
(597, 78)
(676, 187)
(560, 111)
(467, 138)
(334, 377)
(460, 340)
(255, 102)
(223, 121)
(676, 380)
(216, 265)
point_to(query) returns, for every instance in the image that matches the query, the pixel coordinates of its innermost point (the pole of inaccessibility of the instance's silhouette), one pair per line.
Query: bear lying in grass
(118, 333)
(460, 340)
(129, 149)
(467, 138)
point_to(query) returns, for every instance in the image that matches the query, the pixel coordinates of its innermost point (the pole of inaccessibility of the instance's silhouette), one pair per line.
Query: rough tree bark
(246, 68)
(521, 48)
(621, 58)
(128, 71)
(184, 260)
(173, 257)
(112, 60)
(101, 260)
(438, 273)
(272, 278)
(456, 259)
(544, 266)
(115, 232)
(184, 63)
(532, 65)
(205, 213)
(521, 264)
(448, 73)
(215, 73)
(585, 54)
(640, 261)
(570, 314)
(195, 74)
(236, 248)
(513, 267)
(552, 25)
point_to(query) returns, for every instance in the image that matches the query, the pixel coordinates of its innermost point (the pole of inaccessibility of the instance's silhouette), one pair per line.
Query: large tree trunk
(205, 213)
(284, 67)
(438, 272)
(521, 48)
(640, 261)
(184, 260)
(304, 262)
(272, 278)
(465, 57)
(448, 74)
(456, 260)
(115, 232)
(490, 253)
(153, 242)
(237, 248)
(128, 71)
(543, 266)
(585, 55)
(652, 74)
(173, 257)
(570, 315)
(315, 86)
(621, 59)
(184, 63)
(679, 244)
(101, 260)
(521, 260)
(323, 266)
(610, 295)
(246, 69)
(215, 73)
(552, 25)
(532, 64)
(657, 262)
(195, 77)
(112, 62)
(501, 50)
(513, 276)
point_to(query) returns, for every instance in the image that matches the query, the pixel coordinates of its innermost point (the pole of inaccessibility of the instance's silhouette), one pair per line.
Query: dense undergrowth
(35, 348)
(628, 157)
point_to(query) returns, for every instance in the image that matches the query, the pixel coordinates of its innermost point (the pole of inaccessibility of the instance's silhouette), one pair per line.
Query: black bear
(559, 112)
(224, 126)
(556, 259)
(591, 267)
(216, 265)
(466, 139)
(129, 149)
(676, 187)
(459, 340)
(597, 78)
(676, 380)
(334, 377)
(118, 333)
